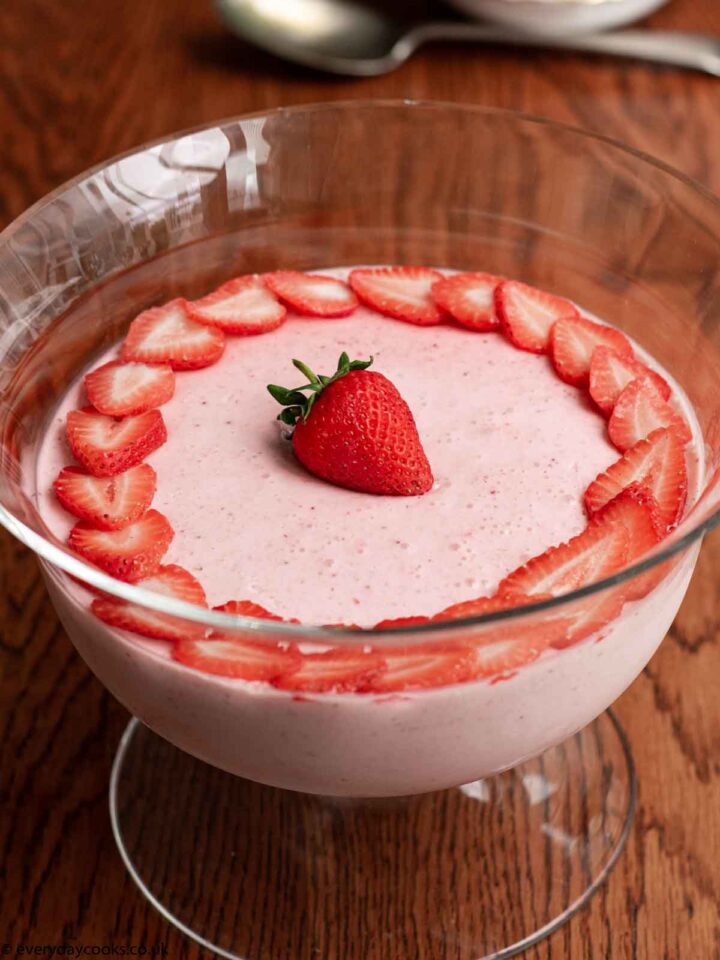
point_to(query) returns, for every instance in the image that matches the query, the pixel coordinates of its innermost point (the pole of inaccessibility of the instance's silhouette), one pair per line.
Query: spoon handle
(693, 51)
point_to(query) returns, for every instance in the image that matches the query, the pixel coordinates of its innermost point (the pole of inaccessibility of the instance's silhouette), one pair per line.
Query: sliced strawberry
(237, 656)
(635, 508)
(130, 554)
(500, 655)
(242, 306)
(658, 464)
(401, 622)
(124, 389)
(341, 670)
(527, 314)
(170, 581)
(639, 410)
(537, 630)
(247, 608)
(601, 549)
(516, 642)
(573, 341)
(422, 666)
(312, 294)
(611, 372)
(167, 335)
(590, 614)
(469, 298)
(557, 627)
(636, 511)
(106, 446)
(108, 503)
(400, 292)
(478, 607)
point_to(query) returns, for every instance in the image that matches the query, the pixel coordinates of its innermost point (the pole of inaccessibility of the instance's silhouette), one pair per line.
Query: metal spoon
(345, 37)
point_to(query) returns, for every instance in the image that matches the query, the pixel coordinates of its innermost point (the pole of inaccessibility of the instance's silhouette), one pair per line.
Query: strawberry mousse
(479, 445)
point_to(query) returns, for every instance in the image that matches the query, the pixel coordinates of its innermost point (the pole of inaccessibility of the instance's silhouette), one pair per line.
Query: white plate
(559, 17)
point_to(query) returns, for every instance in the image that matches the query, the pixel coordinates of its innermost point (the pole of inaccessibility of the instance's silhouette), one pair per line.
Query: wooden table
(84, 79)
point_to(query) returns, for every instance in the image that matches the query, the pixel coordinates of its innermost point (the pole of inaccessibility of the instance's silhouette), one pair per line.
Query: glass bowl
(339, 184)
(349, 183)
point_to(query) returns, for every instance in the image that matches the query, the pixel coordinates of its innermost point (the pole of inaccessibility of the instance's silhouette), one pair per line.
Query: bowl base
(476, 872)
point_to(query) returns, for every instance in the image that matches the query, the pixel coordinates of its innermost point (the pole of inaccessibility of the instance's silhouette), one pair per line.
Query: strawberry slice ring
(169, 581)
(106, 446)
(237, 657)
(631, 506)
(125, 389)
(404, 293)
(312, 294)
(168, 335)
(244, 306)
(527, 315)
(107, 503)
(469, 298)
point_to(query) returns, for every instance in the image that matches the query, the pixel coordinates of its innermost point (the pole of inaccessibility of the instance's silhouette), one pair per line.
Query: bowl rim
(59, 556)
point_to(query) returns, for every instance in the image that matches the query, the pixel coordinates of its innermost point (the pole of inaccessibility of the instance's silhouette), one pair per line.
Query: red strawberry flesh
(573, 341)
(108, 503)
(658, 464)
(639, 410)
(401, 623)
(130, 554)
(422, 666)
(339, 670)
(527, 314)
(636, 509)
(106, 446)
(312, 294)
(468, 298)
(611, 372)
(247, 608)
(170, 581)
(500, 655)
(403, 293)
(243, 306)
(167, 335)
(597, 552)
(124, 389)
(238, 657)
(590, 614)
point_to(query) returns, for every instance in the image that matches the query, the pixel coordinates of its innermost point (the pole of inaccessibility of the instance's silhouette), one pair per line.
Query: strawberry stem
(304, 368)
(297, 405)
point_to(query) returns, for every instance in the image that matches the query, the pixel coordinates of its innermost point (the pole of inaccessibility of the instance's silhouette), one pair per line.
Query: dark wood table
(84, 79)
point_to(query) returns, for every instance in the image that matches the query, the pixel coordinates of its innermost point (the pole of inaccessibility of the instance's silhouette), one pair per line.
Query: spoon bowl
(338, 36)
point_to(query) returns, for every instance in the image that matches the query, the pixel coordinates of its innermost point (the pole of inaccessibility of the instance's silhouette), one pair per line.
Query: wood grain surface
(84, 79)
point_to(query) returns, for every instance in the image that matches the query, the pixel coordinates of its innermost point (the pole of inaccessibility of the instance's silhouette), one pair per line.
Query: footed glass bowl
(364, 182)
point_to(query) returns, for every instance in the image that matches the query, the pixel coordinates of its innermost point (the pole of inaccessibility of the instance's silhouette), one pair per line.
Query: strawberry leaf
(297, 404)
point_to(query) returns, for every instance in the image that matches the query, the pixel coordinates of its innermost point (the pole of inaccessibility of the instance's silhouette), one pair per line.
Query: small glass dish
(560, 17)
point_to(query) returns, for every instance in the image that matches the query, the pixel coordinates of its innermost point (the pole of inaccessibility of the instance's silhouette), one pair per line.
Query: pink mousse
(512, 449)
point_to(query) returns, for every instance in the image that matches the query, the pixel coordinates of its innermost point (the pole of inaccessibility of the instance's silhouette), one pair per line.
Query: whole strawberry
(355, 430)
